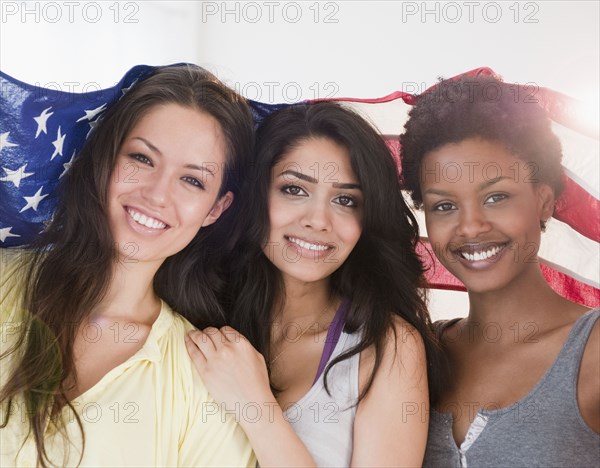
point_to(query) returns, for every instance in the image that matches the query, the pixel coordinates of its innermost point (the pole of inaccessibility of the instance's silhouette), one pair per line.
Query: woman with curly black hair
(482, 162)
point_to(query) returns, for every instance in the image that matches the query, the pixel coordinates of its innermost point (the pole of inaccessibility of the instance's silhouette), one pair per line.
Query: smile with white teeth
(146, 220)
(308, 245)
(482, 255)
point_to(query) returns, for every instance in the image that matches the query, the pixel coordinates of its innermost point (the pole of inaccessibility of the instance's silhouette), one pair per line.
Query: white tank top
(325, 423)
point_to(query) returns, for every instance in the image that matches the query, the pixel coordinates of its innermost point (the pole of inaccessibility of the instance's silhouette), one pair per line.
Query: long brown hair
(70, 265)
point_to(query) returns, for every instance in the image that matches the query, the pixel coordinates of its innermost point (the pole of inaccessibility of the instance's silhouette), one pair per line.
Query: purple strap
(333, 336)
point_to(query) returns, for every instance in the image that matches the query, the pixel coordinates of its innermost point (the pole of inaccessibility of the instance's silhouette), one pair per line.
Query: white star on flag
(92, 126)
(67, 165)
(15, 176)
(4, 143)
(41, 121)
(33, 202)
(5, 232)
(58, 144)
(124, 90)
(90, 114)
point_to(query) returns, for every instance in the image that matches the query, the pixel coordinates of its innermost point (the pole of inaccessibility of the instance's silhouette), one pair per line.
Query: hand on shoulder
(232, 370)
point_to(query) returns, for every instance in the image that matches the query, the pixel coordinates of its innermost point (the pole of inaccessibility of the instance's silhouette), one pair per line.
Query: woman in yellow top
(94, 370)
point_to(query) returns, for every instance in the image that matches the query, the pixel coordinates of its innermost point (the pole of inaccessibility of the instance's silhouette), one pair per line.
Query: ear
(218, 209)
(546, 200)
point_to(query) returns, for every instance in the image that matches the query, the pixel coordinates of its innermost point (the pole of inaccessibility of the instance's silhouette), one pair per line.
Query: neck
(130, 294)
(305, 301)
(527, 299)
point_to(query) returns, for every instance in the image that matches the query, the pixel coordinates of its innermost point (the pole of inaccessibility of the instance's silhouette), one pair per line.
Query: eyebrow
(436, 192)
(482, 186)
(491, 182)
(149, 145)
(187, 166)
(312, 180)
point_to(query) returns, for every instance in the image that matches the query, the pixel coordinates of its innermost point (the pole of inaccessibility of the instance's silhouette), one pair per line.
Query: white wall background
(285, 51)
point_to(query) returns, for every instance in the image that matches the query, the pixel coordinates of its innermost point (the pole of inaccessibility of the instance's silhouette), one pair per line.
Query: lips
(310, 249)
(145, 220)
(309, 245)
(473, 253)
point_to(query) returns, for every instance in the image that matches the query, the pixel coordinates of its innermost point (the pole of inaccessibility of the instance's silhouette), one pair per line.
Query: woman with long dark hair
(94, 371)
(325, 302)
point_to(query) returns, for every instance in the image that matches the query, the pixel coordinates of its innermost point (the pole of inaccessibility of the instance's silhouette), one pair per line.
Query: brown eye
(444, 207)
(294, 190)
(496, 197)
(193, 181)
(345, 200)
(141, 158)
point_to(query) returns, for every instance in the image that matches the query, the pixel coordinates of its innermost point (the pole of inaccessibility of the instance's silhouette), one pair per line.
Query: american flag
(42, 130)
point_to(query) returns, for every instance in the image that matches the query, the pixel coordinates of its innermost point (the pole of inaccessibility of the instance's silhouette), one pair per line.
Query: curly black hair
(480, 107)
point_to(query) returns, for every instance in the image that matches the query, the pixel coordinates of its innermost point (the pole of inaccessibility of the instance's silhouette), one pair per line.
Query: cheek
(113, 192)
(434, 230)
(279, 215)
(113, 182)
(351, 232)
(192, 209)
(439, 235)
(525, 218)
(533, 231)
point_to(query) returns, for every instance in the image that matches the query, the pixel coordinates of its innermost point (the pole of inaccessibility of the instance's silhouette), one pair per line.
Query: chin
(306, 276)
(484, 284)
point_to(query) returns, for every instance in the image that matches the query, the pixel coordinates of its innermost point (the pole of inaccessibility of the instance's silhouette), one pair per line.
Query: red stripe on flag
(394, 146)
(579, 209)
(406, 97)
(570, 288)
(564, 110)
(439, 277)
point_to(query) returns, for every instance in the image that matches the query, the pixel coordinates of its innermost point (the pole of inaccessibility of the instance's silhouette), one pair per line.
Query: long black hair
(382, 277)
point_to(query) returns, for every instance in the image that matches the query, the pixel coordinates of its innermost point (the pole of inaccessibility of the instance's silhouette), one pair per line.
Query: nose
(317, 216)
(157, 189)
(472, 222)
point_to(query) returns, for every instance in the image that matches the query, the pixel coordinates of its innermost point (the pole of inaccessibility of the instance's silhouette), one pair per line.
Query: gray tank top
(544, 429)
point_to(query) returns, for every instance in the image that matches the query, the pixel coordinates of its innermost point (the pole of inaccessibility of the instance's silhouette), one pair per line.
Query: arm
(391, 422)
(236, 376)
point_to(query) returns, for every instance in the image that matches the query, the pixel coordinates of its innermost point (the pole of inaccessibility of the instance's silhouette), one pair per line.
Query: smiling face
(483, 211)
(315, 211)
(165, 183)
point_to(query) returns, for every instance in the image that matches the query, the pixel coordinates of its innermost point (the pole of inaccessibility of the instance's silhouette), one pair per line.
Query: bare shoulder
(404, 337)
(403, 352)
(404, 347)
